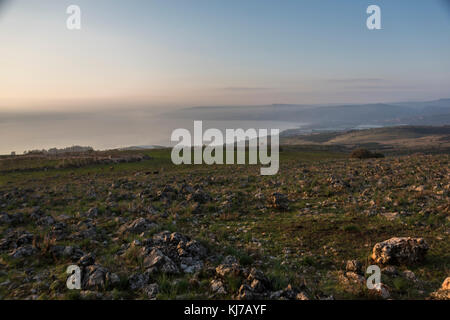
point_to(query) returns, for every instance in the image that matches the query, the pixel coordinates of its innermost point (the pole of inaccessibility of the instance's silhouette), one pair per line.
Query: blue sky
(215, 52)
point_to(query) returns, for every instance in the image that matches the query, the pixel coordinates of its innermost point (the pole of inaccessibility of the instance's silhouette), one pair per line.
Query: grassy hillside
(332, 209)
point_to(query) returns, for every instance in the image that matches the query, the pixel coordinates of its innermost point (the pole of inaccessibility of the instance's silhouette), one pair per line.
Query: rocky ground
(151, 230)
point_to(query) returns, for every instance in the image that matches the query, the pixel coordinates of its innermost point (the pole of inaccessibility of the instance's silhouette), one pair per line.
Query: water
(104, 129)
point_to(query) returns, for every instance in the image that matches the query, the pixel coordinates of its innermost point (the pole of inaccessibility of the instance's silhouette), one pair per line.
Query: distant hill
(133, 148)
(435, 112)
(408, 137)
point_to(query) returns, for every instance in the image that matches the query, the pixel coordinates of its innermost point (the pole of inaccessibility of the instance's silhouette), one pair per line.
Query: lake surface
(106, 129)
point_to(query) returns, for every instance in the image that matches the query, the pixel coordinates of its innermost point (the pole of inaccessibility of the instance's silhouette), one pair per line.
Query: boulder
(156, 261)
(96, 277)
(400, 251)
(444, 291)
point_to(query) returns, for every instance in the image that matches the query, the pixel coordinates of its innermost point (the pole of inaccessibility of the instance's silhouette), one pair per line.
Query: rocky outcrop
(400, 251)
(156, 261)
(254, 285)
(173, 253)
(96, 277)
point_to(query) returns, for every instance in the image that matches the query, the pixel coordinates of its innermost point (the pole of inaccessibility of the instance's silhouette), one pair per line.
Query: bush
(365, 154)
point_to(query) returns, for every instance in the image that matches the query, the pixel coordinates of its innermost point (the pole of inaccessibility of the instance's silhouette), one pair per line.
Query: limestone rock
(137, 226)
(444, 291)
(400, 251)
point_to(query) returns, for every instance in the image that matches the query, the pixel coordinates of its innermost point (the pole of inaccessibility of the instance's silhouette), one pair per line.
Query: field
(401, 139)
(232, 233)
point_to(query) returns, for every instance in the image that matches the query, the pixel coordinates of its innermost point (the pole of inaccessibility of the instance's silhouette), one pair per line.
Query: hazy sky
(215, 52)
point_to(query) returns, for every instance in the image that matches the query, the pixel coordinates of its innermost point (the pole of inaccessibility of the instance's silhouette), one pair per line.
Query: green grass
(324, 227)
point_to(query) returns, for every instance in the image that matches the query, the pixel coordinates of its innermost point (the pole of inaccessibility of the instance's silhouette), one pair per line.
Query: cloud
(356, 80)
(381, 87)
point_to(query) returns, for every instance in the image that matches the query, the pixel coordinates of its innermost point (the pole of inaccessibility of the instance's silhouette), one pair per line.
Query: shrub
(365, 154)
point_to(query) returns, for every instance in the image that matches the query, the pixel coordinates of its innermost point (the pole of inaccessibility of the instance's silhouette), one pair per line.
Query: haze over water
(103, 130)
(165, 54)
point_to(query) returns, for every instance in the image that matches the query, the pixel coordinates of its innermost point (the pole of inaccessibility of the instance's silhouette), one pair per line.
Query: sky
(160, 53)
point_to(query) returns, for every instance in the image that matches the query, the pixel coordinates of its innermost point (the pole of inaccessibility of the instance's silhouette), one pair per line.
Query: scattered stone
(217, 287)
(24, 251)
(137, 226)
(229, 267)
(96, 277)
(92, 213)
(24, 238)
(351, 278)
(138, 281)
(258, 281)
(156, 261)
(173, 253)
(11, 219)
(87, 260)
(408, 274)
(381, 290)
(46, 221)
(152, 291)
(391, 215)
(199, 196)
(87, 230)
(302, 296)
(247, 293)
(58, 230)
(279, 201)
(196, 208)
(4, 218)
(289, 293)
(354, 266)
(390, 270)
